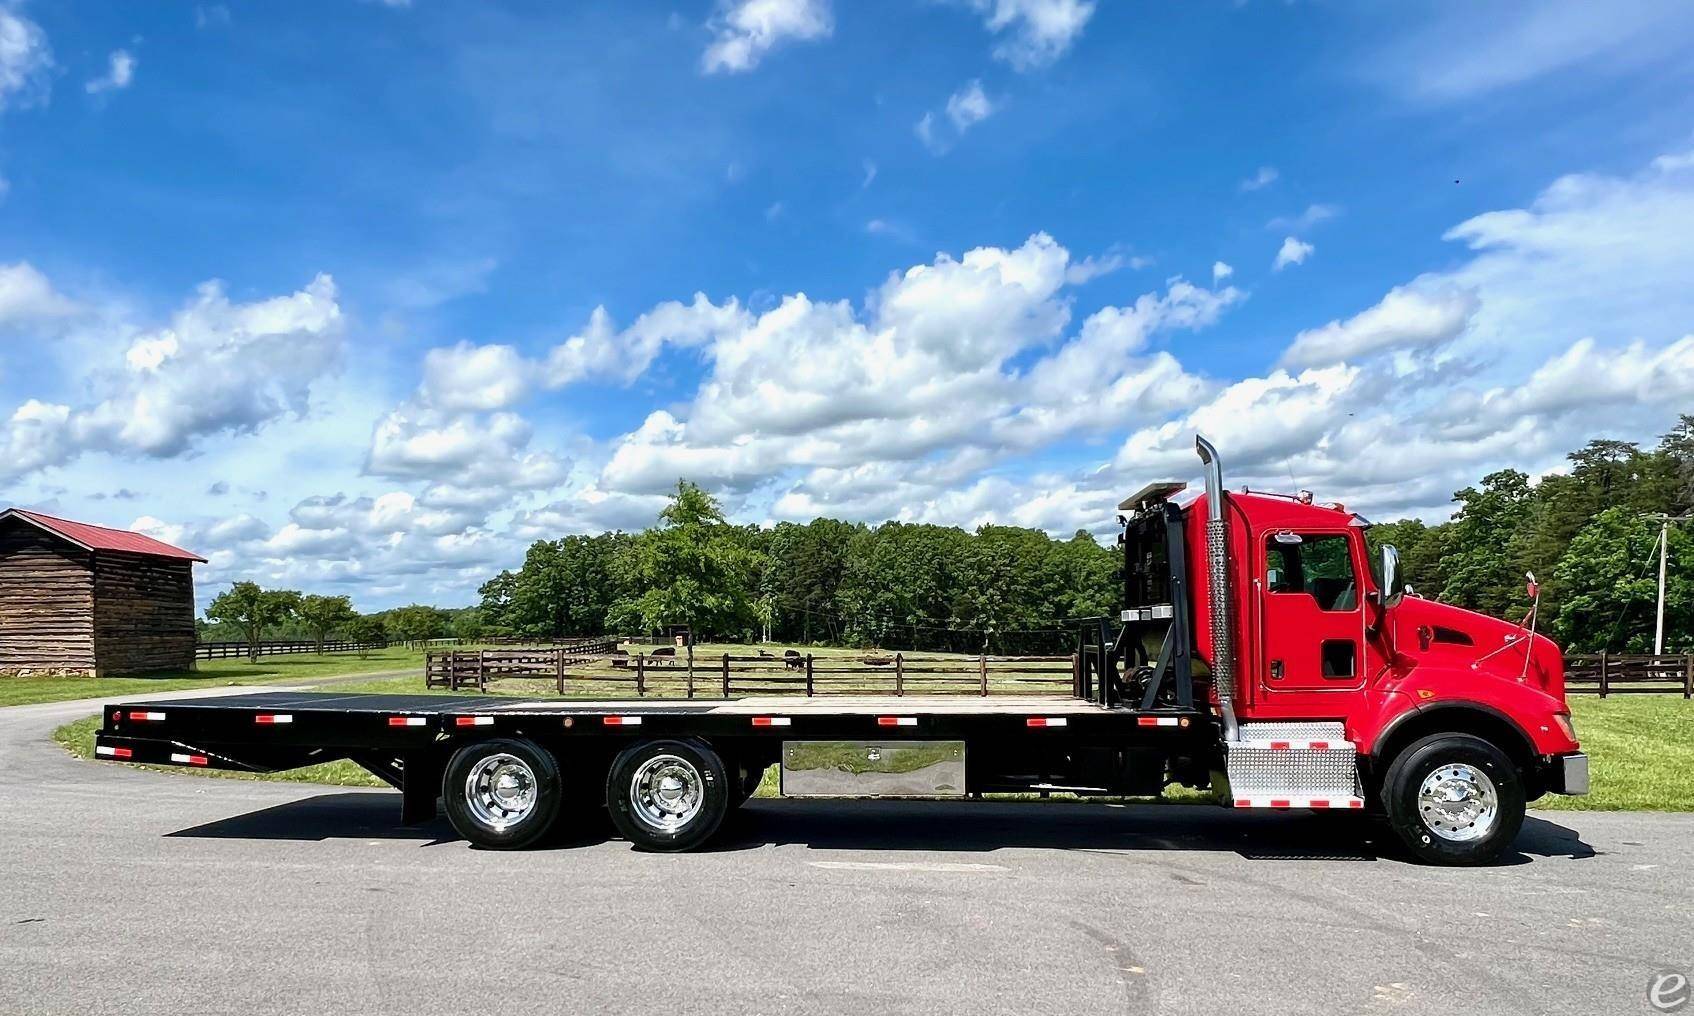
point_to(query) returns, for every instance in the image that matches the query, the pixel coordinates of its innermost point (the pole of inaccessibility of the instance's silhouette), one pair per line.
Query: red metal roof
(102, 538)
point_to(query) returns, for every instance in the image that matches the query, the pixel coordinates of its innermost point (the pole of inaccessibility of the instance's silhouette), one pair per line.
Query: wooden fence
(238, 650)
(1616, 674)
(474, 668)
(686, 675)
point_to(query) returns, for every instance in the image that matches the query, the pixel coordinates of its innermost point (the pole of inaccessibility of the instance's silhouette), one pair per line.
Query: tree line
(897, 585)
(247, 612)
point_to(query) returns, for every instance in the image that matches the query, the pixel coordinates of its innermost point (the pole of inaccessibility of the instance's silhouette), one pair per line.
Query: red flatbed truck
(1261, 652)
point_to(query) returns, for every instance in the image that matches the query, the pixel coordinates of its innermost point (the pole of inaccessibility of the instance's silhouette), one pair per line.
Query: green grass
(1640, 754)
(16, 691)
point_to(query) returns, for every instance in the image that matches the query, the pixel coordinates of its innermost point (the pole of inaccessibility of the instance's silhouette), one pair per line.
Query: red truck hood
(1431, 632)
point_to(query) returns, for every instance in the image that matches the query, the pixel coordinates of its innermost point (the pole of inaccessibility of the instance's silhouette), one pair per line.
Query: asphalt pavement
(124, 891)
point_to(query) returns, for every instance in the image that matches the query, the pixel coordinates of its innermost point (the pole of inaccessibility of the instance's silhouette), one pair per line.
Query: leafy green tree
(468, 625)
(324, 614)
(694, 568)
(417, 622)
(803, 574)
(367, 631)
(251, 610)
(1484, 548)
(1610, 574)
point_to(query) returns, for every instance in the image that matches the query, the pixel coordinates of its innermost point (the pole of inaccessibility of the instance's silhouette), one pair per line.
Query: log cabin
(83, 599)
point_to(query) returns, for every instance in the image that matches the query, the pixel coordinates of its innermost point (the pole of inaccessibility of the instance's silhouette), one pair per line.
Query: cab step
(1293, 765)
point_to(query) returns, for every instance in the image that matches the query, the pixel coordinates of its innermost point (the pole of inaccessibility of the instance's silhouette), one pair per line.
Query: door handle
(1276, 670)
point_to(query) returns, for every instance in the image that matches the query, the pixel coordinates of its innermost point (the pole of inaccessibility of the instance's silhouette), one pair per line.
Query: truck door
(1312, 621)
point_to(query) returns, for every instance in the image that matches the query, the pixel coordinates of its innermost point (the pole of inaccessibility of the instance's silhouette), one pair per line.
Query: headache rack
(1119, 670)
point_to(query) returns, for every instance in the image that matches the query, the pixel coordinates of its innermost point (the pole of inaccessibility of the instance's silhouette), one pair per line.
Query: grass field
(17, 691)
(1641, 750)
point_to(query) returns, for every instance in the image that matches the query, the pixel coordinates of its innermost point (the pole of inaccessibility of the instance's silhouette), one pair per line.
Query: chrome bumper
(1568, 774)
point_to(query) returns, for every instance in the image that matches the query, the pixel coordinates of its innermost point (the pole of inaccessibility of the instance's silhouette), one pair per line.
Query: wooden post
(1605, 672)
(899, 673)
(1688, 676)
(641, 673)
(982, 666)
(1076, 675)
(481, 672)
(559, 663)
(808, 675)
(726, 675)
(690, 668)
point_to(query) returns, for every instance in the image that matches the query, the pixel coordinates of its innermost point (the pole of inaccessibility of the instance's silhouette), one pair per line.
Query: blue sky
(362, 297)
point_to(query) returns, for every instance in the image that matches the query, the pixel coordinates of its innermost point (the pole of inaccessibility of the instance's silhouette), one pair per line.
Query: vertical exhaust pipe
(1217, 574)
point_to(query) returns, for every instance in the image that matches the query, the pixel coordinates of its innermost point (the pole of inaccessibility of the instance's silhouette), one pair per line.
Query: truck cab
(1332, 685)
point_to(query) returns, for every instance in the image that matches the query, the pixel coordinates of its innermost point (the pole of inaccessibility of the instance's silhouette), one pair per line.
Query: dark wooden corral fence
(238, 650)
(729, 675)
(1617, 674)
(474, 668)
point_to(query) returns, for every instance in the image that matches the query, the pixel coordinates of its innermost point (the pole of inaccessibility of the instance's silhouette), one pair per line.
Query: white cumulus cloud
(743, 31)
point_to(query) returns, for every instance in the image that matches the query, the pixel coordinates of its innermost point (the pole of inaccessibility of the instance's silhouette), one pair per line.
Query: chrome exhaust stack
(1217, 575)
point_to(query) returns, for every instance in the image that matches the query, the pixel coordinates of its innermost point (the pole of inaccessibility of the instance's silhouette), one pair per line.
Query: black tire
(675, 816)
(1431, 832)
(474, 802)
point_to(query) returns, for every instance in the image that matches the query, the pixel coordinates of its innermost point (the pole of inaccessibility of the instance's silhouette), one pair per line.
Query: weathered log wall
(46, 603)
(143, 613)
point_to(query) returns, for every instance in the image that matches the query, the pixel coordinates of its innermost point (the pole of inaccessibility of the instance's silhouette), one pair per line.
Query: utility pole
(1664, 549)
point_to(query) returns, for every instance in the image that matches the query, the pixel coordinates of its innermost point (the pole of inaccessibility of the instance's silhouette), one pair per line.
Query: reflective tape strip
(111, 752)
(473, 721)
(1156, 721)
(268, 718)
(772, 721)
(192, 760)
(1279, 746)
(621, 721)
(1321, 803)
(896, 721)
(1046, 721)
(147, 717)
(407, 721)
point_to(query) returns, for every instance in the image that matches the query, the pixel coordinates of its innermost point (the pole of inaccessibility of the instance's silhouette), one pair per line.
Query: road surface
(132, 892)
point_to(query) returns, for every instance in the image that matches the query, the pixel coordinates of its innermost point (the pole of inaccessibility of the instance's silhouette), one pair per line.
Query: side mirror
(1393, 585)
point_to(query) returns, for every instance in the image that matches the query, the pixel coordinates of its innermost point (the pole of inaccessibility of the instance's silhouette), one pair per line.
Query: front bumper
(1568, 774)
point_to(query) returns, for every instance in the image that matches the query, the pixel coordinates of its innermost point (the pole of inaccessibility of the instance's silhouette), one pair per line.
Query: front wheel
(502, 793)
(1454, 799)
(668, 795)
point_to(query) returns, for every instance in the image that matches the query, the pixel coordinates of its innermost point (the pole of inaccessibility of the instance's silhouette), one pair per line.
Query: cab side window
(1321, 566)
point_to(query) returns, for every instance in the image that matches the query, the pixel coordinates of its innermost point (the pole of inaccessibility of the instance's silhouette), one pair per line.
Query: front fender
(1528, 709)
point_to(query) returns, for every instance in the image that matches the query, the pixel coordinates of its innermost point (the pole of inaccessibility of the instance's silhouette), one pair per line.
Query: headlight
(1566, 725)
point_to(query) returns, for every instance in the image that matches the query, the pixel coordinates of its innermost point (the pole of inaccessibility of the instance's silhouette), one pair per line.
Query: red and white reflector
(896, 721)
(111, 752)
(146, 717)
(1156, 721)
(773, 721)
(1046, 721)
(406, 721)
(1321, 803)
(473, 721)
(188, 760)
(621, 721)
(1298, 745)
(273, 718)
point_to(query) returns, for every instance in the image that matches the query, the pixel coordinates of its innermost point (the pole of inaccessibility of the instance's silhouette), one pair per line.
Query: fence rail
(1606, 674)
(684, 674)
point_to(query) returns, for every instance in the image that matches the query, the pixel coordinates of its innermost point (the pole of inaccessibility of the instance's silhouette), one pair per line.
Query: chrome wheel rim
(501, 791)
(1458, 803)
(666, 793)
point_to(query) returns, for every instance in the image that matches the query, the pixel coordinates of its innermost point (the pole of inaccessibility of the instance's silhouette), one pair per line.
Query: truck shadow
(964, 826)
